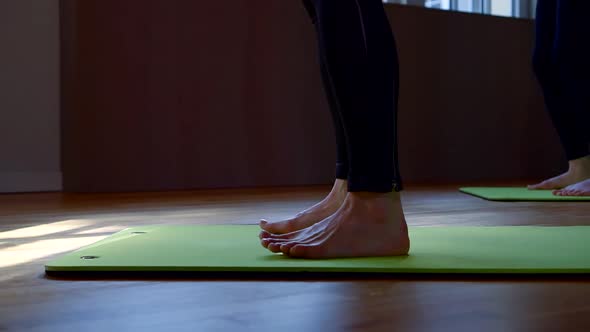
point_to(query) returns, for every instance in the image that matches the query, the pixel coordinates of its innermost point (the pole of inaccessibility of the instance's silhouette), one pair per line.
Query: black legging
(562, 64)
(359, 64)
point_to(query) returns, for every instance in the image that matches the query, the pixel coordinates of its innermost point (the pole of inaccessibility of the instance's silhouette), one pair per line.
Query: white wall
(29, 96)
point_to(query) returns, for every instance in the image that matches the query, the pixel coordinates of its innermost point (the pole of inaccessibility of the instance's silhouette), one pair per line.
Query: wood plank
(58, 222)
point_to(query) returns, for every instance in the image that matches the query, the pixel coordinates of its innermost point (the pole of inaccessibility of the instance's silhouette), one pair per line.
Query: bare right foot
(578, 189)
(579, 170)
(366, 225)
(312, 215)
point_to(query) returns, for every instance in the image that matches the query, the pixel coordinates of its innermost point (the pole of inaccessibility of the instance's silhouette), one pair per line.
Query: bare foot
(579, 170)
(577, 189)
(312, 215)
(367, 224)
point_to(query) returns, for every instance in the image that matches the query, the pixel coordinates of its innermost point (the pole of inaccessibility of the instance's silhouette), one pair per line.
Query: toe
(279, 241)
(265, 242)
(264, 235)
(267, 235)
(267, 225)
(288, 236)
(286, 247)
(305, 251)
(533, 186)
(271, 235)
(541, 185)
(278, 227)
(274, 247)
(546, 185)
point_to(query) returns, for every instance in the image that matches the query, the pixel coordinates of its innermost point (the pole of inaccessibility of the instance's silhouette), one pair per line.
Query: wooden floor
(36, 227)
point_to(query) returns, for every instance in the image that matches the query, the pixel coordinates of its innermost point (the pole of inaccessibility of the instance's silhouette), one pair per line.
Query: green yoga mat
(236, 248)
(518, 194)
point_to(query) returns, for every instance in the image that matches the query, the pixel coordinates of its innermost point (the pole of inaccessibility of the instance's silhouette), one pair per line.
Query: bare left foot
(312, 215)
(367, 224)
(577, 189)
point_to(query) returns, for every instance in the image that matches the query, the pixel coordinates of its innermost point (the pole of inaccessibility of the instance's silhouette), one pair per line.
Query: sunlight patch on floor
(107, 229)
(29, 252)
(45, 229)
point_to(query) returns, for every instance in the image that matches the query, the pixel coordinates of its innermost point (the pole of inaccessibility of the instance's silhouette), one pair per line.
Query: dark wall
(29, 96)
(185, 94)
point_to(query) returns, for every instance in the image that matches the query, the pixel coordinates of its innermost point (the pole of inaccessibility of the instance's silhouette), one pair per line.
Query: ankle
(580, 164)
(386, 207)
(374, 197)
(339, 189)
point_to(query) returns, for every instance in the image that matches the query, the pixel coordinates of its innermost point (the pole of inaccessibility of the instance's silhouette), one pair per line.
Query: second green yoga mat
(233, 248)
(518, 194)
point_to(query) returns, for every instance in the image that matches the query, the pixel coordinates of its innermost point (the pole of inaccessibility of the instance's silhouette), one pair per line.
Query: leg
(574, 77)
(559, 88)
(333, 201)
(333, 103)
(572, 55)
(358, 47)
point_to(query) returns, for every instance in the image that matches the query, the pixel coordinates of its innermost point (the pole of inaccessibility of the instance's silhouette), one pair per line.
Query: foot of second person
(312, 215)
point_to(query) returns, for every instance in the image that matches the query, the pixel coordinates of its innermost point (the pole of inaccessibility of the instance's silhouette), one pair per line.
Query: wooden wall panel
(161, 95)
